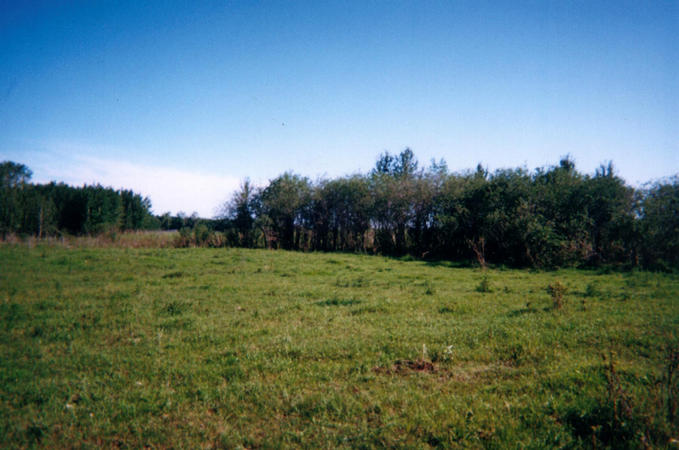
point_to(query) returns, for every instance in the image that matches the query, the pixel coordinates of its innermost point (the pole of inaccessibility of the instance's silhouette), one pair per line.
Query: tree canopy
(552, 216)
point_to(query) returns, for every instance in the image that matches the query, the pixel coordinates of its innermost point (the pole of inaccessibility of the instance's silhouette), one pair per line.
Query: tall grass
(127, 239)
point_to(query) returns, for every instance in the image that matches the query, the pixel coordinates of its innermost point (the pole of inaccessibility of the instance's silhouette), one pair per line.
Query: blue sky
(181, 100)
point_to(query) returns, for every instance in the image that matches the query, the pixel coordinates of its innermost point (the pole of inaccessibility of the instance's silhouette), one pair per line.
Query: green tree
(104, 209)
(240, 211)
(340, 214)
(393, 189)
(13, 180)
(285, 211)
(610, 208)
(660, 224)
(14, 175)
(136, 210)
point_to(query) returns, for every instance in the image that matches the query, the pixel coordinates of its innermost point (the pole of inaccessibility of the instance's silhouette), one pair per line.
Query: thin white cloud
(170, 189)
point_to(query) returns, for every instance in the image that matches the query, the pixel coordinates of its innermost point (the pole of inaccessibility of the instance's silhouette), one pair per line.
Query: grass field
(253, 348)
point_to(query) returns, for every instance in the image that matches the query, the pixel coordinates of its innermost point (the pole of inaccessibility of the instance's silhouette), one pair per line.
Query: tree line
(54, 208)
(550, 217)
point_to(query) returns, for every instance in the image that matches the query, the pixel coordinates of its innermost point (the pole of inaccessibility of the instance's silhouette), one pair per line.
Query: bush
(184, 239)
(201, 234)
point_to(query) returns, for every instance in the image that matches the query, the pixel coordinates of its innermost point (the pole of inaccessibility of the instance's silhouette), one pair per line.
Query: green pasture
(201, 348)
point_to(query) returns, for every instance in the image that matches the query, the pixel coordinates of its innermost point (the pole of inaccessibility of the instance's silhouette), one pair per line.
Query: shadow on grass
(529, 310)
(338, 302)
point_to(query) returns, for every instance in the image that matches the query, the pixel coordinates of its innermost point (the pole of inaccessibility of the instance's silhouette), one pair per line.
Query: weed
(175, 308)
(366, 310)
(177, 323)
(619, 402)
(672, 384)
(610, 420)
(428, 288)
(173, 275)
(439, 354)
(36, 432)
(484, 285)
(448, 353)
(592, 290)
(360, 282)
(58, 288)
(557, 290)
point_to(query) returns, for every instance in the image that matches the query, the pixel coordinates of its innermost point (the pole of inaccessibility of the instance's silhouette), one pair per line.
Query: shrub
(183, 239)
(201, 234)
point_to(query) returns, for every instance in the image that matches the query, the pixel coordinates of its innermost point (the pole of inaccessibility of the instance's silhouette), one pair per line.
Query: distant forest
(550, 217)
(56, 208)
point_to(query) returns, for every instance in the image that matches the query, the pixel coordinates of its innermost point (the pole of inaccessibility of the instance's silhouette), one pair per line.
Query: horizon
(180, 102)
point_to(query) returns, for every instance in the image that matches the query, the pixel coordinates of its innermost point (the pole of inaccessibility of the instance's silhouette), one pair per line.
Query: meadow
(200, 348)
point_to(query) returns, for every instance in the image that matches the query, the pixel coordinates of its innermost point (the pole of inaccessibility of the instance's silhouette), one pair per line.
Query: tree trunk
(478, 246)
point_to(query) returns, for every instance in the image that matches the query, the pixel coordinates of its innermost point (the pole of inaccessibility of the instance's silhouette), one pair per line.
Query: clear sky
(181, 100)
